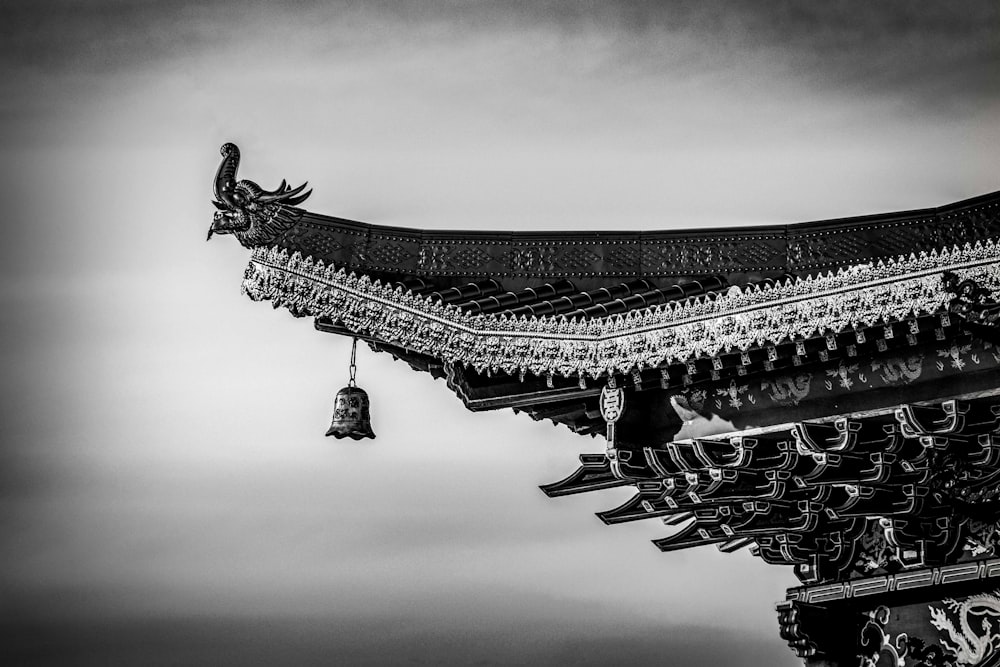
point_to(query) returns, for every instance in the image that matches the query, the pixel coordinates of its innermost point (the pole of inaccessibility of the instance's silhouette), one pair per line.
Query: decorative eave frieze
(738, 319)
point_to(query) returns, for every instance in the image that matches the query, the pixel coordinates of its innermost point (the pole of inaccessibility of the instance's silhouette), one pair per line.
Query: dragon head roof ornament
(253, 215)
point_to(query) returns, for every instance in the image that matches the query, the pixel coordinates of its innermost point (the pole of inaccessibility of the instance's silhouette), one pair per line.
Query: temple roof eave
(734, 320)
(592, 258)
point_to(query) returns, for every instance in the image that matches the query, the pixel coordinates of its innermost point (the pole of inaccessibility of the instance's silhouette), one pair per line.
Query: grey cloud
(938, 49)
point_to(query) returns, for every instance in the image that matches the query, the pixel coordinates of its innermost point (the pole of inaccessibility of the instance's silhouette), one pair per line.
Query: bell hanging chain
(353, 368)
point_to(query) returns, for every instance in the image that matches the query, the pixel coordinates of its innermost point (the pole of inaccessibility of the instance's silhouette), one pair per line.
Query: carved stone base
(933, 617)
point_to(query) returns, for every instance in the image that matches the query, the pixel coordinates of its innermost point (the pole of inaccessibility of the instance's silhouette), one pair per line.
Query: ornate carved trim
(588, 257)
(738, 319)
(977, 304)
(949, 574)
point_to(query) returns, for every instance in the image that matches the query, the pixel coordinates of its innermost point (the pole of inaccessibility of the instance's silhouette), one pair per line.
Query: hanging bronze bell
(351, 415)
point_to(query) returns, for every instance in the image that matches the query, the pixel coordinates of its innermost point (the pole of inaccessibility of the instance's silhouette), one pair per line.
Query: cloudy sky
(166, 493)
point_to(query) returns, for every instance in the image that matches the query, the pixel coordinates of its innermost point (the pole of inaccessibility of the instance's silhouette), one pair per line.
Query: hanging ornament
(612, 406)
(351, 415)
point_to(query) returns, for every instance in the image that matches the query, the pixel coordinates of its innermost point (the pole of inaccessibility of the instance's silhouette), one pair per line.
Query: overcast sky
(166, 493)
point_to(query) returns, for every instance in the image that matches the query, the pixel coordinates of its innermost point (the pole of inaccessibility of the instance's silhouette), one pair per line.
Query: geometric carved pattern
(901, 239)
(576, 258)
(802, 249)
(320, 245)
(388, 254)
(534, 259)
(708, 255)
(623, 257)
(468, 257)
(820, 250)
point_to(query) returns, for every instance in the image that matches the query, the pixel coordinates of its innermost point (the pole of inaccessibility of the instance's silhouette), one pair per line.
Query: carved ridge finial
(254, 215)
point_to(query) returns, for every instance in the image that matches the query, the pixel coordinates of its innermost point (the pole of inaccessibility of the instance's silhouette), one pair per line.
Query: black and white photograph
(459, 332)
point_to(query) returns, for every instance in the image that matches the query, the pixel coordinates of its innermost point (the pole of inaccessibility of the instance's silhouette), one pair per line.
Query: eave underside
(881, 490)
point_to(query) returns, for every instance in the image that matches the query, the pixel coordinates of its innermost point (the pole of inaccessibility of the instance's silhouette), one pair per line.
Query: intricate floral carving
(856, 296)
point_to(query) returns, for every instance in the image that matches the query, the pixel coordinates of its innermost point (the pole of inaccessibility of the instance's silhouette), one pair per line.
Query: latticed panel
(319, 245)
(972, 225)
(467, 258)
(903, 240)
(815, 250)
(533, 258)
(712, 255)
(623, 257)
(388, 254)
(577, 258)
(671, 258)
(732, 254)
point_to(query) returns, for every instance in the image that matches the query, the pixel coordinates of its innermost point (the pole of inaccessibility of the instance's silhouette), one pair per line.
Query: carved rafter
(895, 490)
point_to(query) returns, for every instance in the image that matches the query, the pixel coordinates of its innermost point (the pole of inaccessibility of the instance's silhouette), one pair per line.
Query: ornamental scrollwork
(671, 332)
(877, 642)
(973, 300)
(253, 215)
